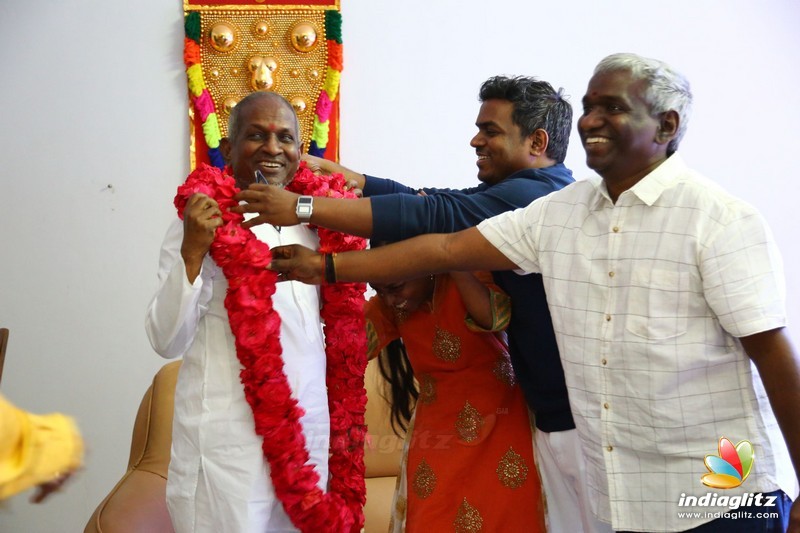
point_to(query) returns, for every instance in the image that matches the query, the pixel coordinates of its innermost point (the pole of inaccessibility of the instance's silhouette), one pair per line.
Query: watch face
(305, 206)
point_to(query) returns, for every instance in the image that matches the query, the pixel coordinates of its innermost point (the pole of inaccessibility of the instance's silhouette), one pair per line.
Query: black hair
(536, 106)
(400, 390)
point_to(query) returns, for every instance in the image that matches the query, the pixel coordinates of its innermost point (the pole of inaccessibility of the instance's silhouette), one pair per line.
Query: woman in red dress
(468, 464)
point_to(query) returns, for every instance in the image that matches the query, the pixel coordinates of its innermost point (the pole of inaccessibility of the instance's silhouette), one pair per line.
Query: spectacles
(260, 178)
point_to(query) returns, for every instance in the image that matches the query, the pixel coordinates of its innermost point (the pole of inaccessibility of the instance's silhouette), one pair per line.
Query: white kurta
(218, 477)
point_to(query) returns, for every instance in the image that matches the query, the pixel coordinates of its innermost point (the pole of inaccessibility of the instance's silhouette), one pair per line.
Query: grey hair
(667, 89)
(234, 121)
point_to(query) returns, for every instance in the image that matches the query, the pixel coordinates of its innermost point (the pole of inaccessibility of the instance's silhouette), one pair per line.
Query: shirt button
(609, 448)
(605, 405)
(610, 274)
(608, 318)
(615, 229)
(603, 361)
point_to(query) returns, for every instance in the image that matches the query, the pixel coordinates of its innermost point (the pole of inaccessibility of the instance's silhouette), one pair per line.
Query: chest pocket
(658, 304)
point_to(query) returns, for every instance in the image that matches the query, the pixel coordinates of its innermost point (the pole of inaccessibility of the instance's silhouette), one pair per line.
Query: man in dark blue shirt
(523, 133)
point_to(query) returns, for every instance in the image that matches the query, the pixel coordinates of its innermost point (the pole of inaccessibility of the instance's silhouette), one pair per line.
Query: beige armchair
(381, 457)
(137, 503)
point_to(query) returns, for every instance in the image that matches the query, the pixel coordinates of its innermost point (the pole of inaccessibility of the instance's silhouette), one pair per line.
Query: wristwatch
(305, 206)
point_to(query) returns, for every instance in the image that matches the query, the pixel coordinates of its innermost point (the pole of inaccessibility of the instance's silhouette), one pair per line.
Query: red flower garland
(256, 326)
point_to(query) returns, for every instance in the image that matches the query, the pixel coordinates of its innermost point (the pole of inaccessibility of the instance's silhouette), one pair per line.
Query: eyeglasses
(260, 178)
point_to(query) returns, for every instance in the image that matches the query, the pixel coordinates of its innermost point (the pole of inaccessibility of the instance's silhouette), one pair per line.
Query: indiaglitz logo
(731, 467)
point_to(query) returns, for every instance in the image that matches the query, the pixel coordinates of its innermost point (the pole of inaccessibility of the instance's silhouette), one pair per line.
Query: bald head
(257, 98)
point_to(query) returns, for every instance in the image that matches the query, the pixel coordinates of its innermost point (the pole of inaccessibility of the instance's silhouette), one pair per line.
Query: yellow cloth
(35, 449)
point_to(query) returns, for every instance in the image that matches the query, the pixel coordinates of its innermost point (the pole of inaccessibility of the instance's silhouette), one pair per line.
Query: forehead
(268, 113)
(495, 110)
(617, 84)
(388, 287)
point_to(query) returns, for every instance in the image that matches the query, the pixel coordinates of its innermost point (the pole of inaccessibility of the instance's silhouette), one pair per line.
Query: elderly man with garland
(523, 133)
(668, 302)
(219, 479)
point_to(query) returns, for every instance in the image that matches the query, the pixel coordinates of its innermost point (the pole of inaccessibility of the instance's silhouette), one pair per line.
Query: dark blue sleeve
(401, 216)
(374, 186)
(379, 186)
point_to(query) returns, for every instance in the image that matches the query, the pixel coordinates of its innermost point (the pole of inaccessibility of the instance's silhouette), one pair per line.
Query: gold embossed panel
(235, 47)
(279, 51)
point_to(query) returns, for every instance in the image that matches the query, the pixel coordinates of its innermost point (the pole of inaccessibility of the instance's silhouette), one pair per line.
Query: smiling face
(499, 144)
(623, 142)
(405, 297)
(267, 139)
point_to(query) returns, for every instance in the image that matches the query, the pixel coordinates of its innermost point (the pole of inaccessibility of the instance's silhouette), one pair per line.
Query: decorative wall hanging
(234, 47)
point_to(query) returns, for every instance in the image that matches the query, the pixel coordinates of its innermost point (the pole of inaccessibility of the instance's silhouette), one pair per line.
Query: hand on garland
(298, 263)
(274, 205)
(201, 218)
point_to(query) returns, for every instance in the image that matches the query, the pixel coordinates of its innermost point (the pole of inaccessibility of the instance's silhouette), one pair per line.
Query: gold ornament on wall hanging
(236, 47)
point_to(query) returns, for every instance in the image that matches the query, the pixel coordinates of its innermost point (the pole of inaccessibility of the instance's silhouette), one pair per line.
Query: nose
(271, 145)
(591, 118)
(477, 140)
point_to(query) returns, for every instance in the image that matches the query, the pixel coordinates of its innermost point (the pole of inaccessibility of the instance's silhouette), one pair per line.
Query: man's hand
(274, 205)
(201, 218)
(794, 517)
(353, 187)
(778, 365)
(318, 165)
(295, 262)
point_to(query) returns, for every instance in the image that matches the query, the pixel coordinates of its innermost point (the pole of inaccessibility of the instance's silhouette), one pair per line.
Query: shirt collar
(647, 189)
(650, 187)
(601, 192)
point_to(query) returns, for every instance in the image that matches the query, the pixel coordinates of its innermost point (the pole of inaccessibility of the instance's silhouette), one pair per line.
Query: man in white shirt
(218, 477)
(667, 299)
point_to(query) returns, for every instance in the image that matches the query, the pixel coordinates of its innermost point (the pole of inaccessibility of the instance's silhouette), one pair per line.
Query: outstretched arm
(278, 206)
(426, 254)
(779, 368)
(327, 167)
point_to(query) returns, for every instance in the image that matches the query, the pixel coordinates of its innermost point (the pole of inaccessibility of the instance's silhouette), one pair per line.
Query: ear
(667, 127)
(225, 149)
(538, 142)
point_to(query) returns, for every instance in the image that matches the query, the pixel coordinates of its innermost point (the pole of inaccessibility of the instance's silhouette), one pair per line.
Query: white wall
(95, 139)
